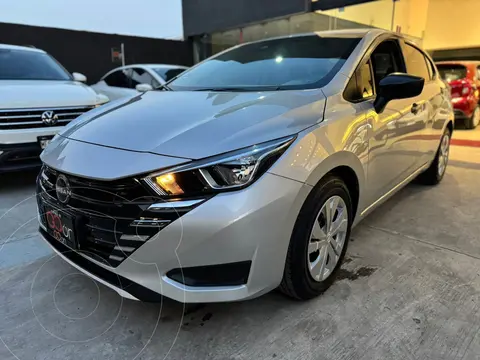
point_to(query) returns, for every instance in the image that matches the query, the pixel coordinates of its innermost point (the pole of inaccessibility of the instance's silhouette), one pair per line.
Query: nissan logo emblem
(49, 118)
(62, 187)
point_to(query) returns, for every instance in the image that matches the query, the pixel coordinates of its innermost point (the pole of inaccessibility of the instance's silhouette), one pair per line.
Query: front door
(393, 145)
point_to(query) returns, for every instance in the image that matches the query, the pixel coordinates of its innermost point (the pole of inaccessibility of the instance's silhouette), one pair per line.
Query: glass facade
(408, 17)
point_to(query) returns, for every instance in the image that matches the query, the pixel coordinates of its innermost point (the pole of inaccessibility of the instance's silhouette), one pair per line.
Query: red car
(464, 80)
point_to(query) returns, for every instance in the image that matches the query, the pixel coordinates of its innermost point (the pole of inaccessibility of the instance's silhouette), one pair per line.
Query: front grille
(111, 216)
(137, 290)
(32, 118)
(112, 240)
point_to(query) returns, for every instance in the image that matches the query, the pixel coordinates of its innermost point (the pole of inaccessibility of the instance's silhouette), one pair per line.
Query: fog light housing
(231, 274)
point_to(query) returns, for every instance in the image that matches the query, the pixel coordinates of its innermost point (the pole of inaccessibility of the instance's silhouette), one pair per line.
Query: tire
(435, 173)
(298, 281)
(474, 120)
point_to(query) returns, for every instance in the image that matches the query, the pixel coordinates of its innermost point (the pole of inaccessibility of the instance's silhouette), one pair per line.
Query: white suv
(37, 98)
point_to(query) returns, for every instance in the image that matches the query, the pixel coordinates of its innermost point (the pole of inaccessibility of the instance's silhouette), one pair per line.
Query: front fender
(317, 152)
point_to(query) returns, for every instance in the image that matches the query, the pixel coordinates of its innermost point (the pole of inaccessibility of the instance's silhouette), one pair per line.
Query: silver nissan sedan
(247, 172)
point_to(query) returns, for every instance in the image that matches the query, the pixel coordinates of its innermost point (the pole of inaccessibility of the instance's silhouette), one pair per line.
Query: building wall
(207, 16)
(409, 16)
(296, 24)
(452, 24)
(438, 24)
(160, 19)
(377, 13)
(91, 53)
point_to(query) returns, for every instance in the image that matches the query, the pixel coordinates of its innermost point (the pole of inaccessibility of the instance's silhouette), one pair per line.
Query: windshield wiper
(165, 87)
(224, 89)
(252, 88)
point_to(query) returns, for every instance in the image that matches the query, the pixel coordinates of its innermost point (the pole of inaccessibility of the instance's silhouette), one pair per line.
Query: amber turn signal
(168, 183)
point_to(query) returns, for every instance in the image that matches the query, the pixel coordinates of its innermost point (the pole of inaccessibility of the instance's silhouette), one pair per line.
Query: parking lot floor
(409, 289)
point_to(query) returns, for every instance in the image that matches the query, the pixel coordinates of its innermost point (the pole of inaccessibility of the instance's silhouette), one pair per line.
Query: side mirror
(397, 86)
(102, 99)
(144, 87)
(79, 77)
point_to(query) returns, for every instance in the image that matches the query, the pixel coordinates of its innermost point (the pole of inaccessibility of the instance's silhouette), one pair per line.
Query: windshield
(302, 62)
(451, 72)
(168, 73)
(30, 65)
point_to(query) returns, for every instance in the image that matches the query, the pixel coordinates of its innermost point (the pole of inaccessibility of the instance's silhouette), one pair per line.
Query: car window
(168, 73)
(360, 86)
(452, 72)
(416, 62)
(119, 78)
(30, 65)
(386, 59)
(141, 76)
(298, 62)
(431, 68)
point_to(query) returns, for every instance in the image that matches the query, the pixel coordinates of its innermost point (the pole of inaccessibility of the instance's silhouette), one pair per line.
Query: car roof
(360, 32)
(16, 47)
(152, 66)
(162, 65)
(348, 33)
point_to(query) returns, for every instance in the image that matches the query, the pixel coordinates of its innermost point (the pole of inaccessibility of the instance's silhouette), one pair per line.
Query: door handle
(416, 108)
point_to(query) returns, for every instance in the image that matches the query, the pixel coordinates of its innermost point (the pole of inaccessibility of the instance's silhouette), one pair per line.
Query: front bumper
(20, 150)
(460, 115)
(251, 226)
(464, 107)
(15, 157)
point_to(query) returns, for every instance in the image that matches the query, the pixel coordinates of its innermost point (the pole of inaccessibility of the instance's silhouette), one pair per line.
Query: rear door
(427, 107)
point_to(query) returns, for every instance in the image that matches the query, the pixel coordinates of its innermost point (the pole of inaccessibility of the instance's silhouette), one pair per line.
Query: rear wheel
(473, 121)
(319, 240)
(434, 174)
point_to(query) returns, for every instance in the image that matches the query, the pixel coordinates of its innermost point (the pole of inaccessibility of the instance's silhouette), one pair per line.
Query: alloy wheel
(476, 117)
(443, 154)
(327, 238)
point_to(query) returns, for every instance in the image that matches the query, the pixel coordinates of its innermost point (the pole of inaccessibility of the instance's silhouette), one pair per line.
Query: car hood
(100, 162)
(42, 94)
(198, 124)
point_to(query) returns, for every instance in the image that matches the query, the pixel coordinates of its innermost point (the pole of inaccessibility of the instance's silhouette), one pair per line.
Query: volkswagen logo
(49, 118)
(62, 187)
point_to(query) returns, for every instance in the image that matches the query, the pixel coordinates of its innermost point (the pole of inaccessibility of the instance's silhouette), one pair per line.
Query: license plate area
(59, 224)
(43, 141)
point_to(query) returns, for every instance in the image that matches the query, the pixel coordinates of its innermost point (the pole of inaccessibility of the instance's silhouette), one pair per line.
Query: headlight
(229, 171)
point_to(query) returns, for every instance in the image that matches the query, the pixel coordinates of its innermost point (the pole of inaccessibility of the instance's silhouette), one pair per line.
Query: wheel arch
(349, 168)
(450, 126)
